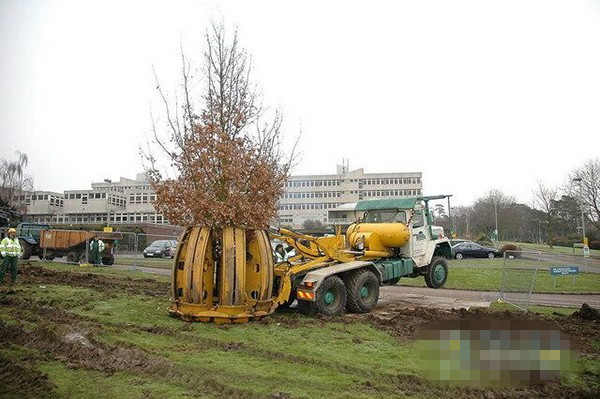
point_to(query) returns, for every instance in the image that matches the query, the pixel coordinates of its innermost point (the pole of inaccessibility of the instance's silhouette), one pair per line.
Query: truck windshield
(385, 217)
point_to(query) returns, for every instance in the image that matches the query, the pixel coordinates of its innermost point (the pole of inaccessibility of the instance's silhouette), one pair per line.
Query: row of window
(101, 218)
(142, 198)
(311, 206)
(388, 181)
(391, 193)
(371, 181)
(313, 194)
(312, 183)
(26, 199)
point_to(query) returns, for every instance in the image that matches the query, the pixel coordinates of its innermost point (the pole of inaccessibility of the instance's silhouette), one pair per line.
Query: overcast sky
(475, 94)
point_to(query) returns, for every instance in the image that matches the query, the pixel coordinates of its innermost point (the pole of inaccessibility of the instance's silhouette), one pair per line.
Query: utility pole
(496, 217)
(585, 242)
(108, 204)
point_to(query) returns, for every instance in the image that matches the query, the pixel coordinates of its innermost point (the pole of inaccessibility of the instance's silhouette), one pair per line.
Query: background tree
(223, 147)
(544, 200)
(484, 210)
(13, 182)
(584, 184)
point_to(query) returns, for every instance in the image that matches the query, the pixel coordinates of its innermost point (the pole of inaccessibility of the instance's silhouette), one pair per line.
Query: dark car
(161, 249)
(469, 249)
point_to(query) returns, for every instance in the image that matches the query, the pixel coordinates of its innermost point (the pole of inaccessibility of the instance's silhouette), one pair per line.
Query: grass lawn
(554, 249)
(146, 262)
(100, 332)
(486, 275)
(536, 308)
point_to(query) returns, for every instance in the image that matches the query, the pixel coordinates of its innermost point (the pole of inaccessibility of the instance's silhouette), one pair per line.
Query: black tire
(145, 256)
(436, 273)
(27, 249)
(108, 260)
(458, 256)
(72, 257)
(331, 296)
(362, 287)
(307, 308)
(491, 255)
(81, 257)
(50, 256)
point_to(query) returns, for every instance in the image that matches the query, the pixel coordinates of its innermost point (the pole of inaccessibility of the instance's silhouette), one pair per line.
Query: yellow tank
(379, 237)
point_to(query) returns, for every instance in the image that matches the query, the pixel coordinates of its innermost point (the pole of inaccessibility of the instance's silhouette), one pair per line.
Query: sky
(474, 94)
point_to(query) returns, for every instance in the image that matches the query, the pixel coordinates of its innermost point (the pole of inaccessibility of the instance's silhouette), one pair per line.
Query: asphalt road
(445, 298)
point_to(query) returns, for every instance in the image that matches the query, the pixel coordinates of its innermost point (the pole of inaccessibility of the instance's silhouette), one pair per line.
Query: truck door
(419, 237)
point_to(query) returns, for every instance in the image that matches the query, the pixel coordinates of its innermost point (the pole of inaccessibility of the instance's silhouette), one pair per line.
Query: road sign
(564, 270)
(586, 251)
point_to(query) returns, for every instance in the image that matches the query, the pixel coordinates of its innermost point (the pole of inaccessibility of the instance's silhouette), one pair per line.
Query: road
(445, 298)
(463, 298)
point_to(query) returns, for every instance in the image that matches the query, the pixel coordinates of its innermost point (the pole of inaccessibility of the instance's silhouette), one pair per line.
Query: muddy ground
(53, 333)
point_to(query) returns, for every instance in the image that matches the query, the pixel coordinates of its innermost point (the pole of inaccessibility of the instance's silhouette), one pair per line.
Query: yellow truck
(228, 274)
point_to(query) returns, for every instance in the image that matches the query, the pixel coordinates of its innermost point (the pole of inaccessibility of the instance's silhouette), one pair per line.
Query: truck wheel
(108, 260)
(72, 257)
(27, 249)
(436, 273)
(331, 296)
(81, 257)
(362, 287)
(393, 281)
(307, 308)
(49, 256)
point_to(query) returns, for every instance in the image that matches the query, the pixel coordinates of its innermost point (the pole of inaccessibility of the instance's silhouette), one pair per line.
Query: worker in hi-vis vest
(11, 252)
(96, 247)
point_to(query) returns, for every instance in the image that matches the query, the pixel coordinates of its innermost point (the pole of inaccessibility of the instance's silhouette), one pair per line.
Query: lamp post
(496, 217)
(578, 180)
(107, 205)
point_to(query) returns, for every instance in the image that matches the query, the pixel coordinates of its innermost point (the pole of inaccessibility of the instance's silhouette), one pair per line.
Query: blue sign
(564, 270)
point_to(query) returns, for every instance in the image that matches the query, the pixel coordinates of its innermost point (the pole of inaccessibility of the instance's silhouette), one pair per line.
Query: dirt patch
(587, 313)
(32, 274)
(22, 379)
(404, 324)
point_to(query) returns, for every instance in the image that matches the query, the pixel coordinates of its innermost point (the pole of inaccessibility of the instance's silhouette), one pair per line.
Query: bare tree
(14, 181)
(584, 184)
(544, 200)
(224, 146)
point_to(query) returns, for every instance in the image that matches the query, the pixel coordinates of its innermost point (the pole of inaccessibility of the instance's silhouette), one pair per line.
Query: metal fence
(123, 249)
(526, 272)
(519, 271)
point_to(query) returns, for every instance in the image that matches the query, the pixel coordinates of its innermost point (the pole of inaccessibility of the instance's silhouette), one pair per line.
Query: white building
(126, 201)
(310, 197)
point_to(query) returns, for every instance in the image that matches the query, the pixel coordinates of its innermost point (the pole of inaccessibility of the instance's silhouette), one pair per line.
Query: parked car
(469, 249)
(161, 249)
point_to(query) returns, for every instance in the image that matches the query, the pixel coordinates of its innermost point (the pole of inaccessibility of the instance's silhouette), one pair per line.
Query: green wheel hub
(329, 297)
(364, 291)
(439, 273)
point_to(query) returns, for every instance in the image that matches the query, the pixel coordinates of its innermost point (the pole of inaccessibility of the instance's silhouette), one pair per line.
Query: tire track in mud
(33, 274)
